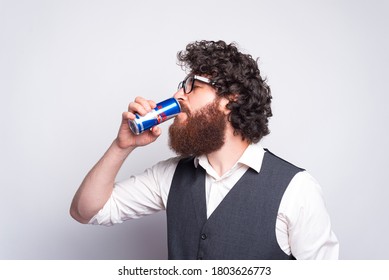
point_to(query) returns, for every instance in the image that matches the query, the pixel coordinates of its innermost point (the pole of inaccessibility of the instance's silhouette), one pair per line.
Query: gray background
(68, 69)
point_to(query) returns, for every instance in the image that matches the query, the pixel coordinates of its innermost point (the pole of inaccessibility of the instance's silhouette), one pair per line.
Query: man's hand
(126, 139)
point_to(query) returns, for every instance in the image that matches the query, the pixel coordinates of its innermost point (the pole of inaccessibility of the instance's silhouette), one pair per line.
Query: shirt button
(203, 236)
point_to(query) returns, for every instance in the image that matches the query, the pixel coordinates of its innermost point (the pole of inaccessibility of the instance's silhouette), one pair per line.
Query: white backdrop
(68, 69)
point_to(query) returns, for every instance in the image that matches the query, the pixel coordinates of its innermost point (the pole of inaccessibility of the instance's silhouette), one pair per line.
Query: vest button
(203, 236)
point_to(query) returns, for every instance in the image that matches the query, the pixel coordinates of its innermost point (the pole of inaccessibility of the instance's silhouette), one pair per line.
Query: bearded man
(225, 196)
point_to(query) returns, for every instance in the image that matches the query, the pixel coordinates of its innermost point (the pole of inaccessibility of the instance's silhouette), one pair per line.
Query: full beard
(202, 133)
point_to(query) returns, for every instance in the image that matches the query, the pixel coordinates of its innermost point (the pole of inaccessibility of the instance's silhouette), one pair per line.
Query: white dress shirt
(303, 226)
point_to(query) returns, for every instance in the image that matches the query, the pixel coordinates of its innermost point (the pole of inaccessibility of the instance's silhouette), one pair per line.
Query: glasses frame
(183, 84)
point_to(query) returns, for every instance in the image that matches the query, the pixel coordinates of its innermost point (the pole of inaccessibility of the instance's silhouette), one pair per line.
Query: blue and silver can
(164, 111)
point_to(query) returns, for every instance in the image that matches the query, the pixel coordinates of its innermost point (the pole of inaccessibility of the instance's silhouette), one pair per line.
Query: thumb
(156, 131)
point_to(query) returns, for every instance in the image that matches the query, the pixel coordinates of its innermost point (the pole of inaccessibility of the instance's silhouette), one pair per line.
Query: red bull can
(164, 111)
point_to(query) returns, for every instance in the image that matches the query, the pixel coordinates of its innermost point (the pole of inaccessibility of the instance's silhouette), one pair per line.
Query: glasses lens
(180, 85)
(188, 84)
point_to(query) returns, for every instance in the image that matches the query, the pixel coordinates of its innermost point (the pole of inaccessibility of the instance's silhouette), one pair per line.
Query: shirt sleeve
(139, 195)
(309, 227)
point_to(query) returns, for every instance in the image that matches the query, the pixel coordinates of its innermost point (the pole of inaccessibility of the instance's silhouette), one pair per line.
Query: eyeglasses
(188, 83)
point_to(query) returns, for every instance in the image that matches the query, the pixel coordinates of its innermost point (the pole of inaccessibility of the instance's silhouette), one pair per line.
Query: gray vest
(241, 227)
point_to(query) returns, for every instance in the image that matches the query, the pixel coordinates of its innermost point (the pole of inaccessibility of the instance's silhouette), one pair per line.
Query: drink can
(164, 111)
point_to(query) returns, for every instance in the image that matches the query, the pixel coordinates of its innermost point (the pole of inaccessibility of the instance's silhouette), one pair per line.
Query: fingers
(141, 106)
(128, 116)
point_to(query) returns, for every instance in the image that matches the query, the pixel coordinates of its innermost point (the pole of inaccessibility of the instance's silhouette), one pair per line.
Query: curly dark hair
(237, 77)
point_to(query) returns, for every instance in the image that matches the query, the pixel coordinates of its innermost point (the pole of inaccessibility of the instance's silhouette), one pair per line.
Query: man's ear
(233, 97)
(225, 100)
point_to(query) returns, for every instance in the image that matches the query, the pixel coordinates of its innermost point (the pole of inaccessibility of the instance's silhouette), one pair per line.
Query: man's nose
(180, 95)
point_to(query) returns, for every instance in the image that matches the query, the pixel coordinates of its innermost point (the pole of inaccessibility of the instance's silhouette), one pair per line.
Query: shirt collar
(252, 157)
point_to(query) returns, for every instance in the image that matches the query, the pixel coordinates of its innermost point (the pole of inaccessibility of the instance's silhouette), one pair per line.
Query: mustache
(185, 109)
